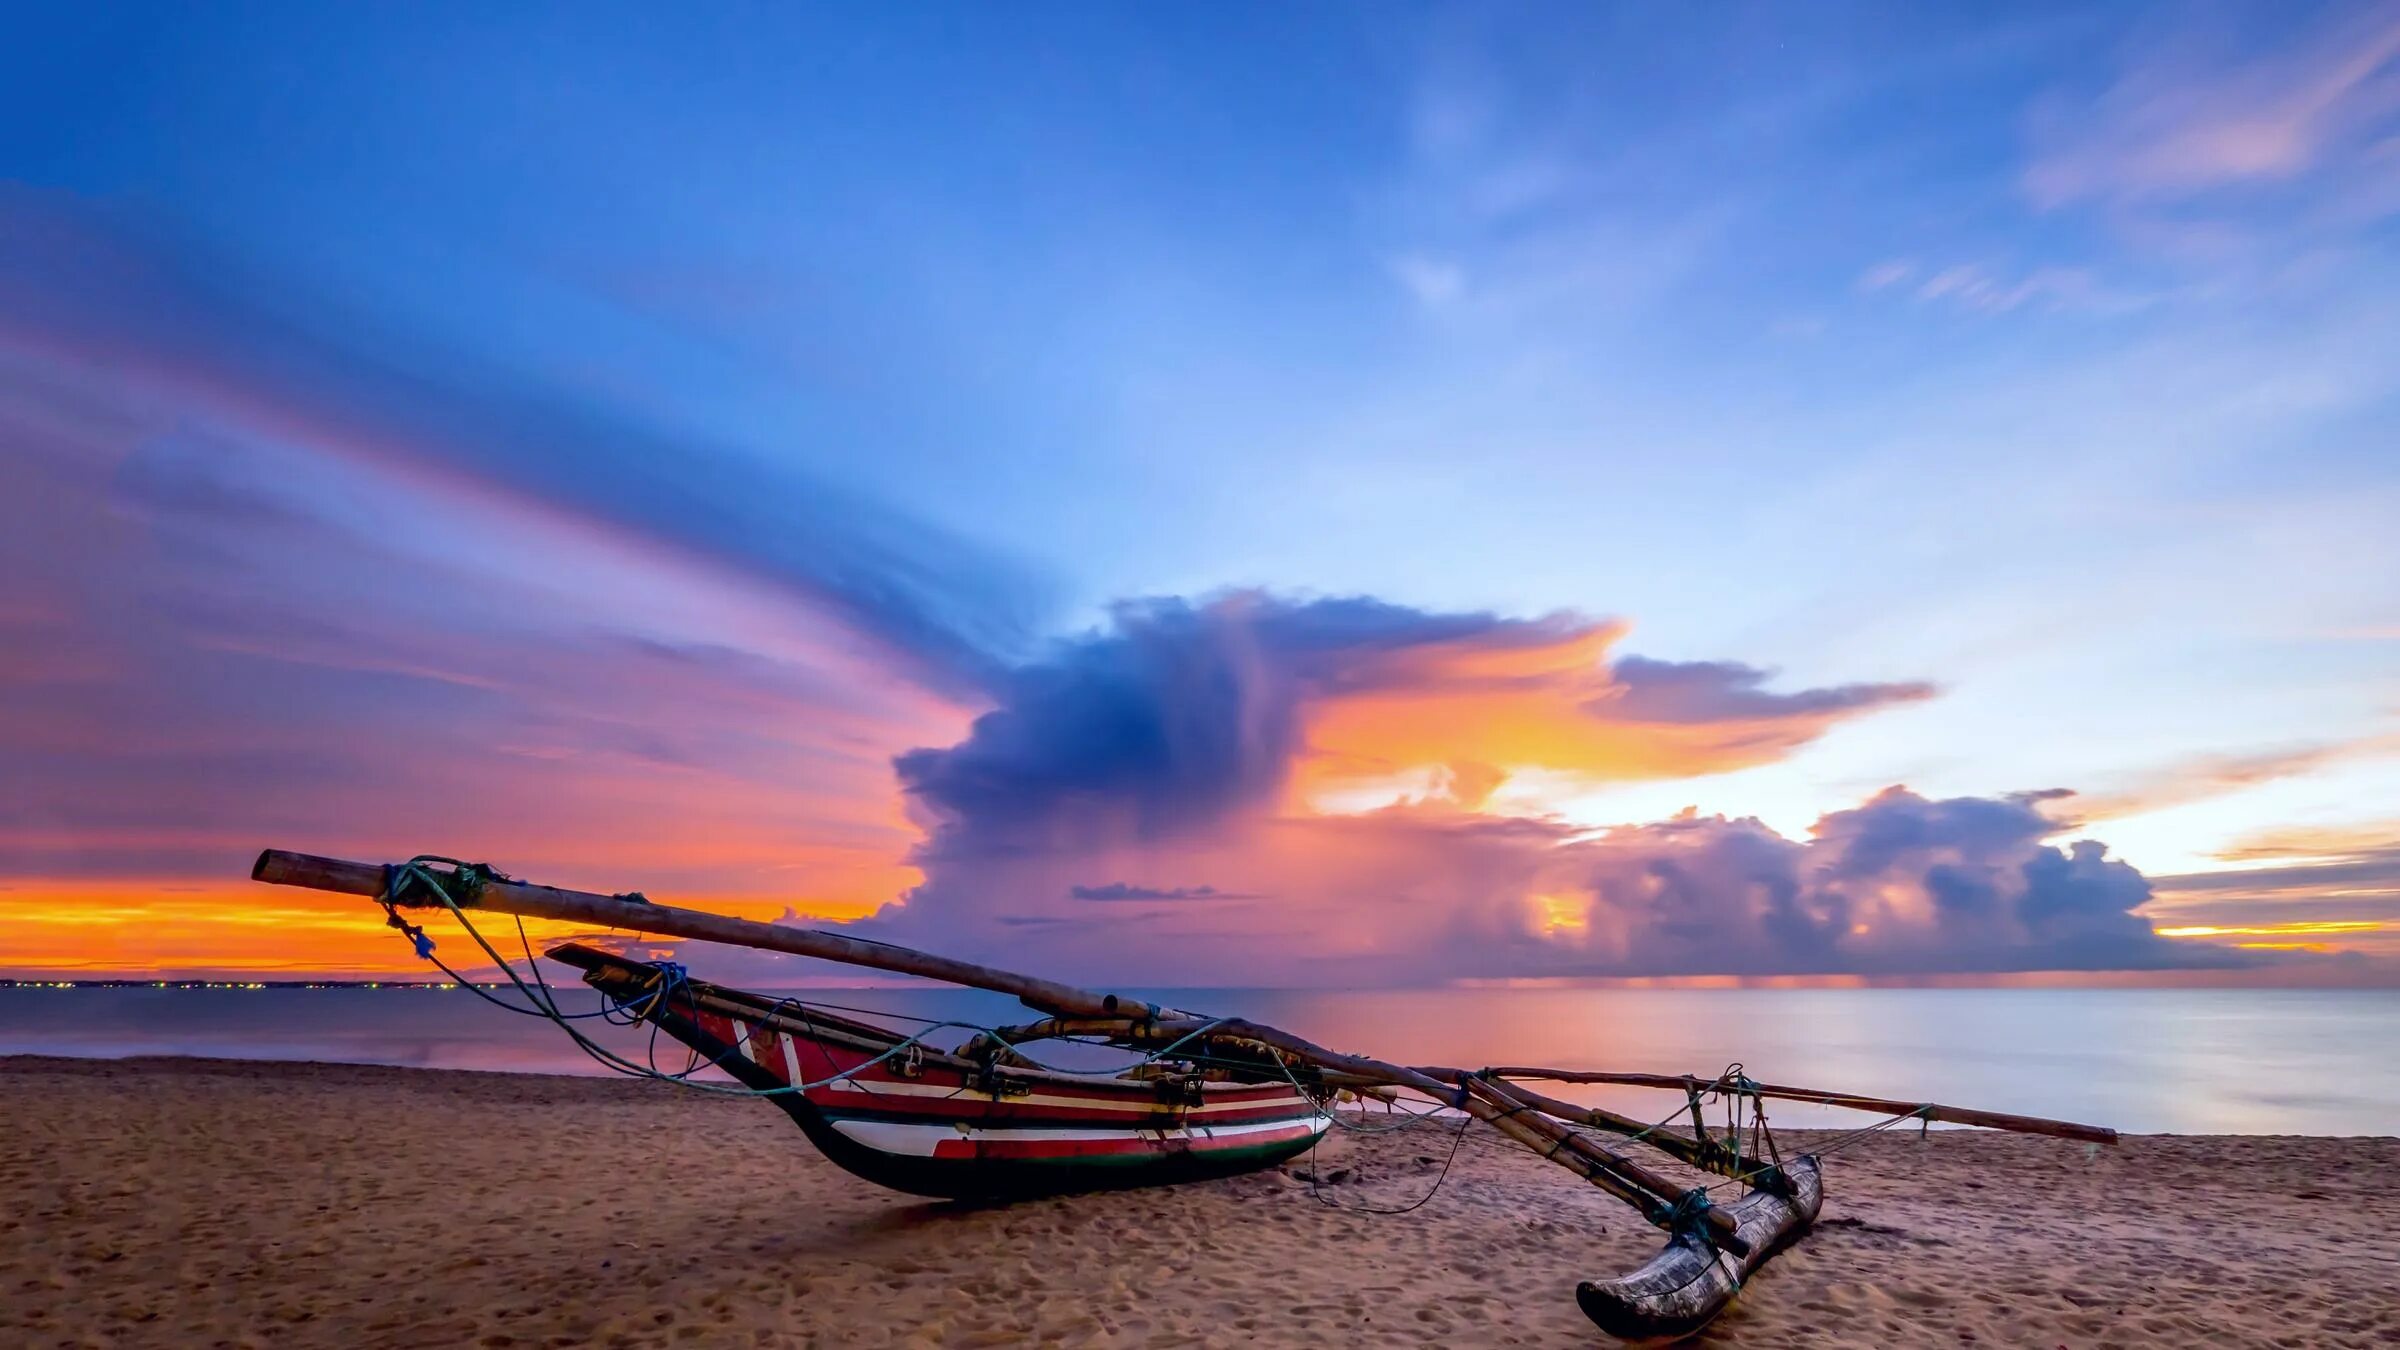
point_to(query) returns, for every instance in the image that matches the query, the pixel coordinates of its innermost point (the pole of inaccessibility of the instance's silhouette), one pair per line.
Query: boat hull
(1684, 1287)
(932, 1124)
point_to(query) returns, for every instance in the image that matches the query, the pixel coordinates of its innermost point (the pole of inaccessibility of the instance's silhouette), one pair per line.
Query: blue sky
(2041, 355)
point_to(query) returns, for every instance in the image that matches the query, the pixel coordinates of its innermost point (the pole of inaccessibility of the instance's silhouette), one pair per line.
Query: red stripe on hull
(939, 1094)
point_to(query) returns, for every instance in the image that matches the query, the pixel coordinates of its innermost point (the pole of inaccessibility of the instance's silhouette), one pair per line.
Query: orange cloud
(2325, 842)
(1465, 712)
(2339, 883)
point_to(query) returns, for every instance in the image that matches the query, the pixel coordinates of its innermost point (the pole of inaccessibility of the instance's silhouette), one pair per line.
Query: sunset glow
(1839, 501)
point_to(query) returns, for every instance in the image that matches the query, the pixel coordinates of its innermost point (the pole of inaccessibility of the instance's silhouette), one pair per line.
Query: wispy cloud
(1886, 274)
(1433, 281)
(1116, 891)
(1514, 204)
(2321, 888)
(2202, 777)
(2177, 125)
(1989, 289)
(260, 585)
(176, 324)
(2314, 842)
(1979, 288)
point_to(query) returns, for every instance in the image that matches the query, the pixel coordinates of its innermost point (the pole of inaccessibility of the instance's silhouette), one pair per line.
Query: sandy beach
(221, 1203)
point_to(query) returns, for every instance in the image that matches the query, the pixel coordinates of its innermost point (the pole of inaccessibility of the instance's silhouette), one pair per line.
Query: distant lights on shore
(246, 984)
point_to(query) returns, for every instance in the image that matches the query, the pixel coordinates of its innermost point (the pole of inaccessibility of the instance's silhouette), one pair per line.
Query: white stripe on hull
(899, 1088)
(920, 1141)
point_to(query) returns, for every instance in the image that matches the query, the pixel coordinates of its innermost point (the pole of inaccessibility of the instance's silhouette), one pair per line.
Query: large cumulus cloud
(1899, 883)
(1187, 749)
(1180, 713)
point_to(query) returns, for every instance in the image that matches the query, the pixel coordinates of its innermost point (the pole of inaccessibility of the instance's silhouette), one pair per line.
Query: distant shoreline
(2377, 980)
(251, 984)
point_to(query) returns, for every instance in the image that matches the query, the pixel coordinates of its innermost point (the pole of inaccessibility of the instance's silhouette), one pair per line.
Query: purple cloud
(1724, 691)
(1119, 890)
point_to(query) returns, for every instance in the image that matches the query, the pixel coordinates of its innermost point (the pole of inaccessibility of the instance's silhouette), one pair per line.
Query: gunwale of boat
(795, 1017)
(1063, 1133)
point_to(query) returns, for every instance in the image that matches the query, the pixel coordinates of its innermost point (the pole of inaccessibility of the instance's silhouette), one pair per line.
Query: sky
(1367, 494)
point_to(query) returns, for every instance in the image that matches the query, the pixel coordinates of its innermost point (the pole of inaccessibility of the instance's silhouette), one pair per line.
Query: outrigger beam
(1701, 1153)
(1955, 1115)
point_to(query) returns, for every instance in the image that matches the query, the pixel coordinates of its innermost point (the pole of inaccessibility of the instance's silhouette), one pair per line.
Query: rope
(1839, 1142)
(620, 1012)
(1689, 1207)
(672, 981)
(1457, 1137)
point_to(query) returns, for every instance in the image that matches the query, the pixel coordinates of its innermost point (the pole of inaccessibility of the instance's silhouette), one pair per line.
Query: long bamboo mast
(279, 868)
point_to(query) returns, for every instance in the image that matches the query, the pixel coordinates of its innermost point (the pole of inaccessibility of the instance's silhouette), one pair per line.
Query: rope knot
(1688, 1209)
(418, 937)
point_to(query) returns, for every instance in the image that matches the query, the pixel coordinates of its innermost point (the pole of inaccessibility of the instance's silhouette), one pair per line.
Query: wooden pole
(1956, 1115)
(1502, 1107)
(615, 911)
(1662, 1190)
(1705, 1156)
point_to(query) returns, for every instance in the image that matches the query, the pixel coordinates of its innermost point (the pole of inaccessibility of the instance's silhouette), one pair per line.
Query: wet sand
(208, 1203)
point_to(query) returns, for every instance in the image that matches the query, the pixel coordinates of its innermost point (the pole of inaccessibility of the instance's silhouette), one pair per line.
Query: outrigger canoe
(965, 1126)
(1213, 1096)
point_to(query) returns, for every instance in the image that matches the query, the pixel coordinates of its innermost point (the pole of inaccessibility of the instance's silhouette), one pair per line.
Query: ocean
(2192, 1061)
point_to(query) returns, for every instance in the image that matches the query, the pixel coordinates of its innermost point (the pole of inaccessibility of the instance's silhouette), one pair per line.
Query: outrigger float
(1213, 1097)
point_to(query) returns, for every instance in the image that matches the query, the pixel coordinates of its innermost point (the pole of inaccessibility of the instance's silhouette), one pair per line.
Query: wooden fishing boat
(973, 1125)
(1214, 1095)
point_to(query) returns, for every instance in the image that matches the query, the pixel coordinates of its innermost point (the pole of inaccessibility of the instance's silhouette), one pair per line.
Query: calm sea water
(2187, 1061)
